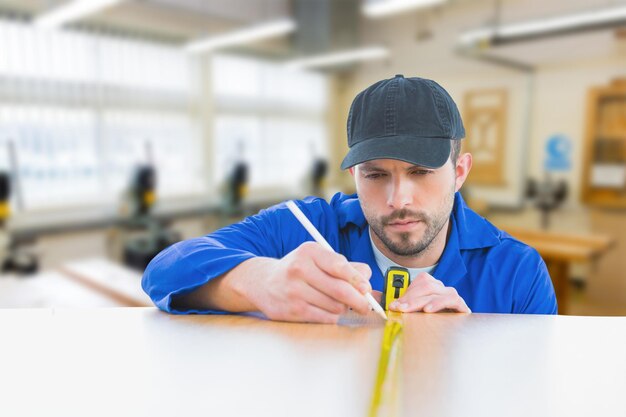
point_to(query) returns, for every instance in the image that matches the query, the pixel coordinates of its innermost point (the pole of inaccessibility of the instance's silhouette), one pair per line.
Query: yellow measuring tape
(385, 399)
(397, 280)
(387, 386)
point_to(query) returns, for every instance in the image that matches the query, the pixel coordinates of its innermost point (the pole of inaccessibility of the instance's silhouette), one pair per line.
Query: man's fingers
(423, 284)
(409, 305)
(323, 301)
(365, 271)
(432, 304)
(313, 314)
(337, 266)
(421, 290)
(430, 298)
(332, 275)
(339, 290)
(443, 303)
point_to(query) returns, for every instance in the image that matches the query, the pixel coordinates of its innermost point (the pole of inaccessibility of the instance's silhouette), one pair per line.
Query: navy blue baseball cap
(409, 119)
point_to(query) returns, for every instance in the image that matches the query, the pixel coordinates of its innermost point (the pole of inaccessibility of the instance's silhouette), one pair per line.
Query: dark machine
(317, 177)
(142, 236)
(142, 192)
(547, 196)
(13, 258)
(235, 189)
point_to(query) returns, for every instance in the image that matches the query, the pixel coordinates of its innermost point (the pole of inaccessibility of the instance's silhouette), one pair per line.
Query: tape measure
(387, 395)
(397, 280)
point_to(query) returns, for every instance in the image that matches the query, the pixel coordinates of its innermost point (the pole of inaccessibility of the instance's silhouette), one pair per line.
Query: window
(82, 109)
(167, 140)
(55, 154)
(270, 117)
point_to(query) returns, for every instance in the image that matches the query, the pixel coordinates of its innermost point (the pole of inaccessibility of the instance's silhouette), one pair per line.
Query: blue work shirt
(491, 271)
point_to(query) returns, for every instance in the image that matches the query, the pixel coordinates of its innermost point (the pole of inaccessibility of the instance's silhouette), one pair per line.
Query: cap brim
(426, 152)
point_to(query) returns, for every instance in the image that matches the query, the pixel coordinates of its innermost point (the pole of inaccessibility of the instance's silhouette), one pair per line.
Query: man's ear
(462, 169)
(351, 169)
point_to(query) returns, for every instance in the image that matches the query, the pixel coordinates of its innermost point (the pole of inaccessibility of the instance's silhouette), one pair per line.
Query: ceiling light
(339, 57)
(383, 8)
(72, 10)
(244, 36)
(544, 27)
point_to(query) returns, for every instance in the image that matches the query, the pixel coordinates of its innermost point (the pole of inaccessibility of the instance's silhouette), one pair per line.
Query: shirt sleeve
(187, 265)
(534, 292)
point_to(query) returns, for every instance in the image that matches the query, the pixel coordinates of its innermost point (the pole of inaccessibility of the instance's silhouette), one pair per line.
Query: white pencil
(320, 239)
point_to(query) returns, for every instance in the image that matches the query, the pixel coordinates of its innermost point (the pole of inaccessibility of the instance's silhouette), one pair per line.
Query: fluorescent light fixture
(383, 8)
(240, 37)
(580, 21)
(339, 57)
(72, 10)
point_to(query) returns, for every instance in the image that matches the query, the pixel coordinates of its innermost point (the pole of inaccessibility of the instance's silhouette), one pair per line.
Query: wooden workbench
(92, 282)
(110, 279)
(560, 251)
(142, 362)
(47, 289)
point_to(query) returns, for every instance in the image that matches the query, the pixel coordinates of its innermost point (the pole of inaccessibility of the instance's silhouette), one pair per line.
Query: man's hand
(429, 295)
(310, 284)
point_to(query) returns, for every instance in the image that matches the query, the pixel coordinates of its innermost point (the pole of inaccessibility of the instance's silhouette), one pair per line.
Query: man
(404, 137)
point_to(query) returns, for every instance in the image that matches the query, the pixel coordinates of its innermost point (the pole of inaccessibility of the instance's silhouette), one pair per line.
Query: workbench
(143, 362)
(560, 251)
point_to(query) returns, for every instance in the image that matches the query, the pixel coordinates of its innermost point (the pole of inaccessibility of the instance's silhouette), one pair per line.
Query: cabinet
(604, 169)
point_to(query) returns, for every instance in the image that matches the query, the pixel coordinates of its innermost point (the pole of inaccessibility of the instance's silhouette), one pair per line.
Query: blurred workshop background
(127, 125)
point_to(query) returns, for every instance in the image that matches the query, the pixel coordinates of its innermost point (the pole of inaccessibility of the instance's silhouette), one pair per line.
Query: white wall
(551, 100)
(560, 106)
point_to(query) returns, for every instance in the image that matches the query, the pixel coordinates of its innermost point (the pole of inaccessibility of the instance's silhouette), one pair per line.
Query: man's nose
(400, 194)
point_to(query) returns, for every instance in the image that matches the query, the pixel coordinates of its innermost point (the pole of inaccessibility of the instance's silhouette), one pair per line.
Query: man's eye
(374, 176)
(422, 172)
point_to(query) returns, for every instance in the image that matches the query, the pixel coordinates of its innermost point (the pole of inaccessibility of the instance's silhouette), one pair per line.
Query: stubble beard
(403, 245)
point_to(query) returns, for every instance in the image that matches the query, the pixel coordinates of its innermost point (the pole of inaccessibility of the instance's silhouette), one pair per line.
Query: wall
(551, 99)
(560, 106)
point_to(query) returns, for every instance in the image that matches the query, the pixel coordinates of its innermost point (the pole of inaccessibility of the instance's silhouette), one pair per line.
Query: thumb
(365, 272)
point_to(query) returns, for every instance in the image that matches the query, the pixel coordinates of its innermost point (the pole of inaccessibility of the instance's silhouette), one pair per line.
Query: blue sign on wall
(558, 153)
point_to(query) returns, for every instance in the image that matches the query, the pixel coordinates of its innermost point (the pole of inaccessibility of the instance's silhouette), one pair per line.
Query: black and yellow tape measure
(387, 395)
(397, 280)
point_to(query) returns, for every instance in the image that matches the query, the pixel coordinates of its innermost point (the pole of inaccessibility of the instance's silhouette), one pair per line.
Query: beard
(404, 244)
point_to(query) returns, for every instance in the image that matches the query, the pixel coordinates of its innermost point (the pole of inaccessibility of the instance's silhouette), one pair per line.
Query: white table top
(142, 362)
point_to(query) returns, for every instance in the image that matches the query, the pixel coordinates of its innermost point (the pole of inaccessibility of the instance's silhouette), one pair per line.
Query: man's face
(406, 206)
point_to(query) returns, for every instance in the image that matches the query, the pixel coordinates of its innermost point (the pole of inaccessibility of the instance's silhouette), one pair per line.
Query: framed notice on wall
(604, 163)
(485, 126)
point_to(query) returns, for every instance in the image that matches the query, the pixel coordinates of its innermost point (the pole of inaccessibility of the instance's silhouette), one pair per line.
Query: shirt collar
(468, 230)
(385, 263)
(348, 209)
(473, 231)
